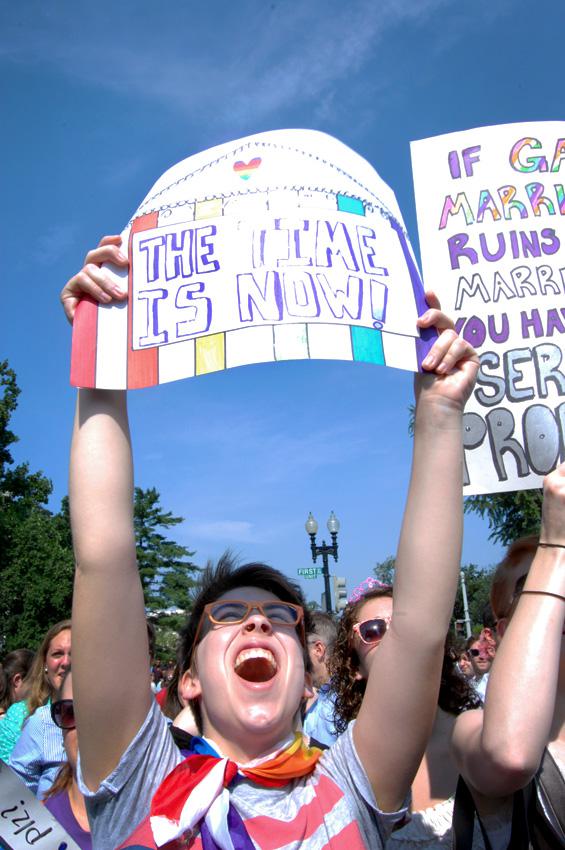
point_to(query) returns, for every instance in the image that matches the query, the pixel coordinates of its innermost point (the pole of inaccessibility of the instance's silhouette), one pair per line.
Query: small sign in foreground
(25, 821)
(309, 572)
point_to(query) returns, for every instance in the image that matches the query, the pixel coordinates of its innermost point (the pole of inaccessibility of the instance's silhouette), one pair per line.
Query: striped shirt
(38, 754)
(333, 807)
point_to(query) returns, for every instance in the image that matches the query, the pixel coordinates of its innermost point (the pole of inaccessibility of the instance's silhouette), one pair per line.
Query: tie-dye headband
(362, 589)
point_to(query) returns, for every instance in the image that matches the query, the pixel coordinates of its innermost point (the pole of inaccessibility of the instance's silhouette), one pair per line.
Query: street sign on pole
(309, 572)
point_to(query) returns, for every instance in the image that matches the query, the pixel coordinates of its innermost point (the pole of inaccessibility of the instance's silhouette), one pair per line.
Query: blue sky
(99, 99)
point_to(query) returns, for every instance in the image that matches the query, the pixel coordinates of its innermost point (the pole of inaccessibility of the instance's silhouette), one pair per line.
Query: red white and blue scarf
(194, 798)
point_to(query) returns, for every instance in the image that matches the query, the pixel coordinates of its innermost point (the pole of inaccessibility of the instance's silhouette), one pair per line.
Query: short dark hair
(324, 628)
(225, 575)
(456, 694)
(152, 639)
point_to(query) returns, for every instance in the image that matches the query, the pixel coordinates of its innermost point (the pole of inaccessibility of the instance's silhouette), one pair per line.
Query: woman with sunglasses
(64, 799)
(362, 630)
(362, 626)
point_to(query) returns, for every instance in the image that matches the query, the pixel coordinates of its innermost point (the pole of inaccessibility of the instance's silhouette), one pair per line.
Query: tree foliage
(167, 573)
(510, 515)
(37, 582)
(167, 630)
(36, 553)
(477, 583)
(384, 570)
(36, 563)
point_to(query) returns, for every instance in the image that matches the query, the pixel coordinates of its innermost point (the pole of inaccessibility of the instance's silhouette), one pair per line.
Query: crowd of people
(280, 727)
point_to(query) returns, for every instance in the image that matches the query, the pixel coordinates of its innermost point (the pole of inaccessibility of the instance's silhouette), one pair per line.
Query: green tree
(37, 583)
(477, 583)
(20, 490)
(384, 570)
(166, 571)
(36, 557)
(510, 515)
(35, 552)
(167, 630)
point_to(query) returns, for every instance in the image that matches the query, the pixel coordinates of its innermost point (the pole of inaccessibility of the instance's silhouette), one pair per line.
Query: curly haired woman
(367, 622)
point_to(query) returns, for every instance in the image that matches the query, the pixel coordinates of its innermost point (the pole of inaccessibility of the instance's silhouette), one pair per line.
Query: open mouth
(256, 665)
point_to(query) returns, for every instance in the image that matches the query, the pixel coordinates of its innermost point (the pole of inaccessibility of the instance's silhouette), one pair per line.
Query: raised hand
(553, 511)
(452, 363)
(93, 280)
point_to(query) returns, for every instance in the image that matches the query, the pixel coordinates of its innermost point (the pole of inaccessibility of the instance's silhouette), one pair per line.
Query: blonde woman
(29, 740)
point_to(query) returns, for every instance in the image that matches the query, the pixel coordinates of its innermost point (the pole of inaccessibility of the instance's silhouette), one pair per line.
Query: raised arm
(395, 719)
(110, 646)
(499, 749)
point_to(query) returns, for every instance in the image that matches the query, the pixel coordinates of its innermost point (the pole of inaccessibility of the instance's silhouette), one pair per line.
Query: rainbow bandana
(195, 795)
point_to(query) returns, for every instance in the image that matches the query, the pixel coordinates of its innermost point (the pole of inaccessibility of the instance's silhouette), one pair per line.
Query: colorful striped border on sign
(282, 246)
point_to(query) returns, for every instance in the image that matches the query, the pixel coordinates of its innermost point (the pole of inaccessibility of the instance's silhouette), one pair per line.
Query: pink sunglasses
(372, 631)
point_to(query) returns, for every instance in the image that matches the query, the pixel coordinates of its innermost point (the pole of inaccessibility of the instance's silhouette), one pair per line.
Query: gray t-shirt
(335, 800)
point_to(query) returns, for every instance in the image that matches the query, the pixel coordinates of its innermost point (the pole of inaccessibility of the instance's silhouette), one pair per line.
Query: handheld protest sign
(491, 219)
(24, 820)
(283, 245)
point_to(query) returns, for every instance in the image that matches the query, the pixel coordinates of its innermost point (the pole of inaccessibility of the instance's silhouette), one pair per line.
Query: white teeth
(255, 652)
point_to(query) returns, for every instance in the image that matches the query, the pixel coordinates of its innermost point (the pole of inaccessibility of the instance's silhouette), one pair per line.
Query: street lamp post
(324, 550)
(467, 618)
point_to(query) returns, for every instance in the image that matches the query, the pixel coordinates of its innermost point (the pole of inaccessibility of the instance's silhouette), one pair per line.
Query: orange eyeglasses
(230, 612)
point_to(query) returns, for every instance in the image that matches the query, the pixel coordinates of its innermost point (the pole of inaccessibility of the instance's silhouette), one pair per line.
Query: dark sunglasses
(230, 612)
(371, 631)
(63, 714)
(476, 652)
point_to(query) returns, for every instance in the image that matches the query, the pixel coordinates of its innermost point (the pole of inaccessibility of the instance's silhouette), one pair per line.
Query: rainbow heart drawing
(246, 169)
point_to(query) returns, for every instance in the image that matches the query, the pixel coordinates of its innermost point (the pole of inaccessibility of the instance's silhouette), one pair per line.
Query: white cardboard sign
(283, 245)
(491, 219)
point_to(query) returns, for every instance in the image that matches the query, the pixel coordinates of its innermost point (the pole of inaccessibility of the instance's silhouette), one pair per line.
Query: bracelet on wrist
(544, 593)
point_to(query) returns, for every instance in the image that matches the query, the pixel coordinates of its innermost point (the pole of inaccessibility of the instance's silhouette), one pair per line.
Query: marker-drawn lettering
(541, 438)
(333, 243)
(152, 335)
(343, 300)
(265, 300)
(300, 296)
(197, 310)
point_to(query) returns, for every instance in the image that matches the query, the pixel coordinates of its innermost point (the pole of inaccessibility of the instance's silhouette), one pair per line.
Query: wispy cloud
(261, 60)
(53, 244)
(236, 531)
(274, 455)
(128, 169)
